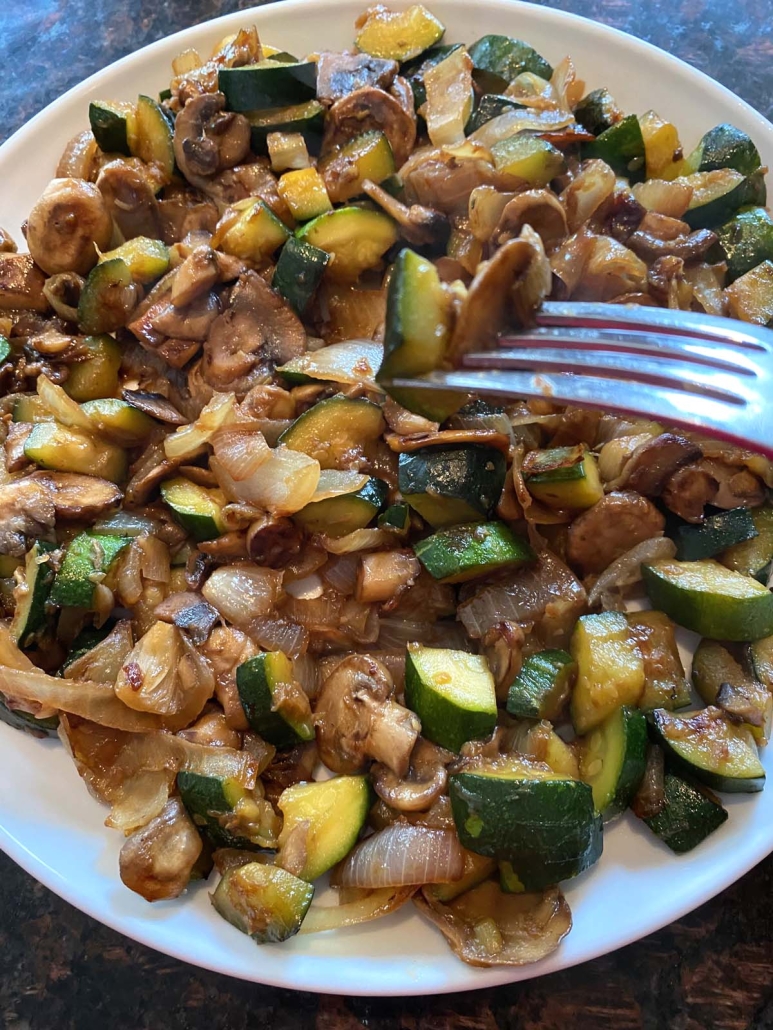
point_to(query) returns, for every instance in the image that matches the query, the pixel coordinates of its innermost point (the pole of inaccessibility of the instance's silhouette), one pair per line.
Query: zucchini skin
(30, 619)
(203, 796)
(88, 553)
(622, 750)
(255, 87)
(460, 481)
(541, 688)
(299, 272)
(622, 147)
(254, 684)
(688, 817)
(499, 59)
(714, 535)
(597, 112)
(750, 191)
(460, 553)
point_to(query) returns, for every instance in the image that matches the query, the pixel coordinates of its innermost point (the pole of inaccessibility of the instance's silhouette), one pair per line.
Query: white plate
(54, 829)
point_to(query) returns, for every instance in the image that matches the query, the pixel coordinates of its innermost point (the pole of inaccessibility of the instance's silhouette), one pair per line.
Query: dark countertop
(63, 971)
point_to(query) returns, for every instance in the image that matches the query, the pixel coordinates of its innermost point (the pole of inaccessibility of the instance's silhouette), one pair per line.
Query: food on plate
(289, 623)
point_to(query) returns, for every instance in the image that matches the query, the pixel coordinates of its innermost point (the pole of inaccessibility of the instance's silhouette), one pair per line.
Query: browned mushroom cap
(79, 497)
(421, 787)
(356, 719)
(21, 284)
(419, 225)
(694, 486)
(655, 461)
(506, 291)
(209, 139)
(370, 108)
(538, 208)
(67, 225)
(189, 611)
(26, 509)
(130, 198)
(689, 247)
(156, 861)
(257, 333)
(614, 525)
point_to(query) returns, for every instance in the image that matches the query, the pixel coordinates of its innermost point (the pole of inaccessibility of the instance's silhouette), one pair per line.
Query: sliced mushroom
(63, 292)
(506, 291)
(256, 333)
(371, 108)
(190, 612)
(384, 575)
(419, 225)
(67, 226)
(611, 527)
(183, 210)
(339, 75)
(16, 438)
(421, 787)
(538, 208)
(26, 510)
(225, 649)
(157, 861)
(155, 405)
(443, 178)
(690, 247)
(357, 720)
(21, 284)
(653, 463)
(79, 497)
(176, 332)
(209, 139)
(692, 487)
(130, 198)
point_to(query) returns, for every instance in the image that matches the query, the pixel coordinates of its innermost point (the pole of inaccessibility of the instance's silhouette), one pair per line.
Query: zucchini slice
(563, 477)
(720, 680)
(761, 660)
(519, 811)
(597, 112)
(150, 136)
(259, 681)
(355, 237)
(146, 259)
(334, 428)
(725, 146)
(753, 556)
(28, 407)
(622, 147)
(27, 723)
(269, 83)
(118, 421)
(198, 510)
(542, 687)
(452, 484)
(304, 192)
(477, 868)
(63, 449)
(719, 194)
(452, 692)
(251, 231)
(341, 515)
(308, 119)
(745, 241)
(97, 376)
(714, 601)
(88, 558)
(708, 746)
(460, 553)
(396, 517)
(498, 60)
(398, 35)
(208, 797)
(29, 617)
(612, 759)
(714, 534)
(110, 121)
(344, 170)
(331, 812)
(610, 669)
(529, 158)
(665, 683)
(265, 902)
(298, 273)
(102, 304)
(688, 817)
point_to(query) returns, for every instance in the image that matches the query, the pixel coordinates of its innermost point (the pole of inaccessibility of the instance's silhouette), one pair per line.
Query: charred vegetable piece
(610, 669)
(745, 241)
(97, 376)
(30, 615)
(197, 508)
(338, 516)
(334, 428)
(563, 477)
(752, 557)
(308, 119)
(52, 446)
(269, 83)
(463, 552)
(719, 194)
(263, 901)
(87, 560)
(542, 687)
(714, 534)
(304, 192)
(500, 59)
(355, 237)
(612, 759)
(110, 120)
(102, 307)
(452, 692)
(529, 158)
(150, 136)
(329, 815)
(259, 681)
(146, 259)
(725, 146)
(688, 817)
(398, 35)
(453, 483)
(598, 112)
(714, 601)
(665, 684)
(299, 272)
(252, 232)
(206, 798)
(521, 812)
(415, 70)
(491, 106)
(119, 421)
(621, 146)
(708, 746)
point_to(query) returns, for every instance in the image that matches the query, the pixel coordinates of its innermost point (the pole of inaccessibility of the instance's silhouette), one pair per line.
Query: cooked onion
(401, 855)
(102, 663)
(282, 484)
(243, 592)
(626, 570)
(127, 523)
(240, 451)
(276, 634)
(355, 361)
(359, 540)
(519, 120)
(189, 440)
(64, 409)
(373, 905)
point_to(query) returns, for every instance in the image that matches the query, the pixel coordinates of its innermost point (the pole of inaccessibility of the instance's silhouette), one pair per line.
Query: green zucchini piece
(398, 35)
(563, 477)
(665, 683)
(355, 237)
(714, 534)
(597, 112)
(708, 746)
(688, 817)
(334, 428)
(491, 106)
(396, 517)
(27, 723)
(97, 376)
(415, 70)
(258, 680)
(719, 194)
(344, 170)
(529, 158)
(89, 556)
(299, 272)
(610, 668)
(308, 119)
(269, 83)
(101, 308)
(52, 446)
(460, 553)
(118, 421)
(542, 687)
(720, 680)
(208, 797)
(5, 349)
(761, 661)
(612, 759)
(151, 135)
(540, 742)
(252, 232)
(147, 259)
(452, 692)
(305, 193)
(452, 484)
(198, 510)
(497, 60)
(332, 812)
(477, 868)
(263, 901)
(338, 516)
(714, 601)
(520, 812)
(109, 121)
(622, 147)
(29, 618)
(725, 146)
(745, 241)
(753, 557)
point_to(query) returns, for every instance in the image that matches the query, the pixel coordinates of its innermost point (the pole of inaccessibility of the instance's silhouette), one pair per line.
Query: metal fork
(701, 372)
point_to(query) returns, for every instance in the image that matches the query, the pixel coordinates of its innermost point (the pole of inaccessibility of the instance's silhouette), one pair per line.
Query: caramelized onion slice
(373, 905)
(403, 854)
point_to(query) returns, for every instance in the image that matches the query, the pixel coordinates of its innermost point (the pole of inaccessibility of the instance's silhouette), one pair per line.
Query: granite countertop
(63, 971)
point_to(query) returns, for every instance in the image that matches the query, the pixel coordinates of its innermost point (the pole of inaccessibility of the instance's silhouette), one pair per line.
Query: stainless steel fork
(701, 372)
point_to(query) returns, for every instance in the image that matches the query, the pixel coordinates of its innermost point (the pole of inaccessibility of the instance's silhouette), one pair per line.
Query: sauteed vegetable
(288, 625)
